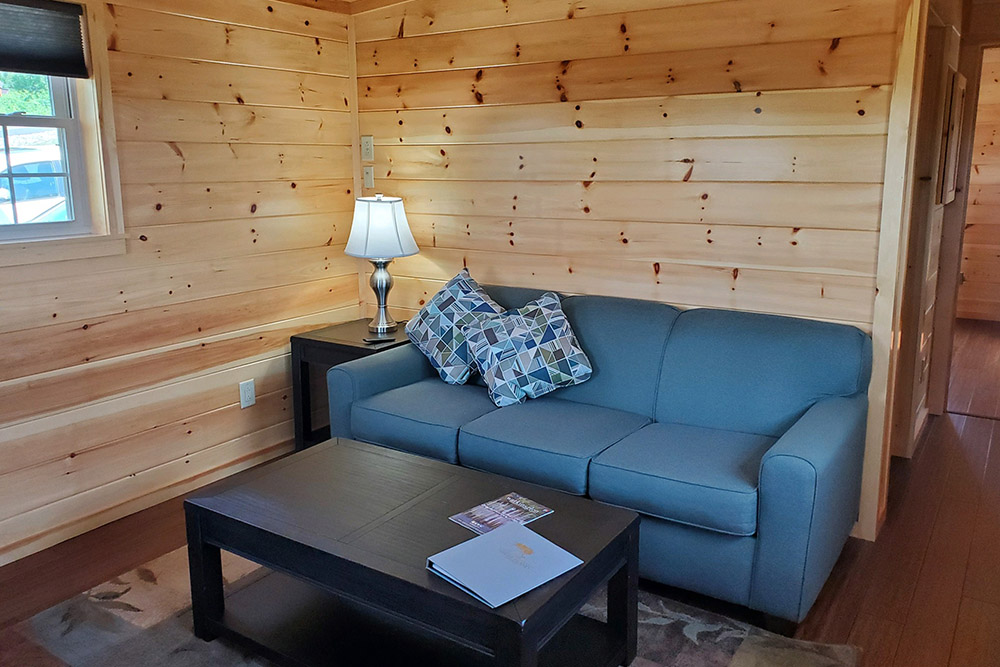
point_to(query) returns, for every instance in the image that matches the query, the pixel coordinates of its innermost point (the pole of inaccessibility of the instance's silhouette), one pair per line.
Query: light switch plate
(367, 148)
(369, 175)
(248, 393)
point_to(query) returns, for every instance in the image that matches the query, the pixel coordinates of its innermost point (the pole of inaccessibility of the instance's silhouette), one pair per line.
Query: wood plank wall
(724, 153)
(118, 375)
(979, 293)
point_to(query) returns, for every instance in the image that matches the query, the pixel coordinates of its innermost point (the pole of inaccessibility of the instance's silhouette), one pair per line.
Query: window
(43, 175)
(60, 194)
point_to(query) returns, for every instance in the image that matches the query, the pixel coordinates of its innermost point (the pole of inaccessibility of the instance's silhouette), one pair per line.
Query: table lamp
(380, 233)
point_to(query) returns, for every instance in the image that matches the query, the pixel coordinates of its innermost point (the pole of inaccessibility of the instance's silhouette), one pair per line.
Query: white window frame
(91, 105)
(66, 119)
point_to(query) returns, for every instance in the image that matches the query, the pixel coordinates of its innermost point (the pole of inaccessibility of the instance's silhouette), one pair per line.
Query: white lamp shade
(380, 229)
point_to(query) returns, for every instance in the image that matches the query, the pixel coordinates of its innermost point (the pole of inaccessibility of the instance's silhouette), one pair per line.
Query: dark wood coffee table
(345, 529)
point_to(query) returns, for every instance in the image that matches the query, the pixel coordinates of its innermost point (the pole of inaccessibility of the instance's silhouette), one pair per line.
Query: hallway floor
(975, 369)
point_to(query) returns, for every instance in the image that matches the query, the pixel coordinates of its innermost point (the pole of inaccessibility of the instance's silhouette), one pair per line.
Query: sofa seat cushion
(422, 418)
(696, 476)
(546, 441)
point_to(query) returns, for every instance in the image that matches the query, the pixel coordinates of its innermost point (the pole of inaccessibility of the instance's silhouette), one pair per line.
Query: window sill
(19, 253)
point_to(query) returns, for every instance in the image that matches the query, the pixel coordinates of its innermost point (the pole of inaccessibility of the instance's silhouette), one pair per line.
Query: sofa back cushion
(756, 373)
(513, 297)
(624, 340)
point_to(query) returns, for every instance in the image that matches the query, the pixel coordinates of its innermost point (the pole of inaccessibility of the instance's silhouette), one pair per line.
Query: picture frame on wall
(952, 130)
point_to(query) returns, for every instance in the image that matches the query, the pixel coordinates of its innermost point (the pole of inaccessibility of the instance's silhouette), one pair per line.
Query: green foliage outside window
(25, 93)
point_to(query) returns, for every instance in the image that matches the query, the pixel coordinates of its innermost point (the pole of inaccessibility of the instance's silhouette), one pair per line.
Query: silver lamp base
(381, 283)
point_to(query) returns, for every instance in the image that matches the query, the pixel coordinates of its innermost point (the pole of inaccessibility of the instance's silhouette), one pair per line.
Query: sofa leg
(780, 626)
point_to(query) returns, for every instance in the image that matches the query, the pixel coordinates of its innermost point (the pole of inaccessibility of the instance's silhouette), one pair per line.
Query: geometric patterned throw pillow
(527, 352)
(437, 328)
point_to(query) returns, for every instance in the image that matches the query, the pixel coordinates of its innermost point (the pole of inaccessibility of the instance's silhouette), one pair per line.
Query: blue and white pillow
(527, 352)
(437, 328)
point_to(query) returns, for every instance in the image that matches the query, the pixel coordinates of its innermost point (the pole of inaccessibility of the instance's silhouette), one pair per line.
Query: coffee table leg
(623, 598)
(205, 563)
(514, 651)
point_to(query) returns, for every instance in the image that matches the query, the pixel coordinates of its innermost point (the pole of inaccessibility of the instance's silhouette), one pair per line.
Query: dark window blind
(42, 37)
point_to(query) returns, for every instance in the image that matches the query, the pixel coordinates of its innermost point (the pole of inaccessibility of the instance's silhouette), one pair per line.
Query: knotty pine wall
(979, 293)
(118, 375)
(725, 153)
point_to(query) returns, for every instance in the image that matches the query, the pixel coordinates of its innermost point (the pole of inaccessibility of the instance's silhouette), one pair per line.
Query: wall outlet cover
(368, 148)
(248, 394)
(369, 176)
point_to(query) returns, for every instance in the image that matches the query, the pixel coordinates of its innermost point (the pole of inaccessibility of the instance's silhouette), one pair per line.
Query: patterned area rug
(143, 618)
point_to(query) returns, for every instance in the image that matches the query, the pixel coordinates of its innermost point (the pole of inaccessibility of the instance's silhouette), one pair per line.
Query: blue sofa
(738, 437)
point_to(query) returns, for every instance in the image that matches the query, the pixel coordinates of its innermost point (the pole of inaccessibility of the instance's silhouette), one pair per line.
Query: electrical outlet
(248, 394)
(367, 148)
(369, 174)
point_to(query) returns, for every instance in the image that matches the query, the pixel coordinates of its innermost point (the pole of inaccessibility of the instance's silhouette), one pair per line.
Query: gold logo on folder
(525, 549)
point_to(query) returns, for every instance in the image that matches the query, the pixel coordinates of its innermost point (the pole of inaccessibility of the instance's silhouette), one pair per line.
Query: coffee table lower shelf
(294, 623)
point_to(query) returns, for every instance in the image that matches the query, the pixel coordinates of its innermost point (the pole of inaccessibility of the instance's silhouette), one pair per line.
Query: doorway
(974, 385)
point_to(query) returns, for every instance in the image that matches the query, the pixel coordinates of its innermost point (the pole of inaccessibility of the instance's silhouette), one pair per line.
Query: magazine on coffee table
(511, 508)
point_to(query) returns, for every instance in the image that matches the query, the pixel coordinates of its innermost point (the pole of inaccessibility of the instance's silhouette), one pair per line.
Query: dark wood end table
(328, 347)
(345, 529)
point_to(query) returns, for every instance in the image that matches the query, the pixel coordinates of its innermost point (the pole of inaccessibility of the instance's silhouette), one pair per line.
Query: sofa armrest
(374, 374)
(809, 490)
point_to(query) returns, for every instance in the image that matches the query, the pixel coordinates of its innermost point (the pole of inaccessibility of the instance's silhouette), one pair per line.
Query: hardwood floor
(926, 594)
(975, 370)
